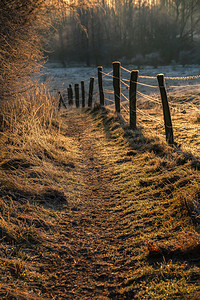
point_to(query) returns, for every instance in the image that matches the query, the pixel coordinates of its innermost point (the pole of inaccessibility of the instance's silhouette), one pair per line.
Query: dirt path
(90, 235)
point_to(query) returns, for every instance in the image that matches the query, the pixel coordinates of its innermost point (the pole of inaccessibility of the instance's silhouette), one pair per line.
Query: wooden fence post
(77, 95)
(166, 110)
(132, 98)
(83, 93)
(91, 92)
(117, 84)
(61, 101)
(100, 82)
(70, 95)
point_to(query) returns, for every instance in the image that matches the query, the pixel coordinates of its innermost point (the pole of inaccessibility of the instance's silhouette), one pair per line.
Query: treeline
(141, 32)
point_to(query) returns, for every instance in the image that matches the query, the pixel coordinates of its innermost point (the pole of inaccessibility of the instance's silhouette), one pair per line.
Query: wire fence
(135, 99)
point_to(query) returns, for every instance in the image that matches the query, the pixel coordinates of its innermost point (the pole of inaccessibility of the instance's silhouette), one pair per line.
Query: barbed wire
(149, 98)
(148, 77)
(108, 79)
(149, 116)
(124, 88)
(106, 74)
(182, 126)
(167, 77)
(125, 97)
(144, 84)
(183, 104)
(109, 100)
(124, 83)
(125, 69)
(109, 91)
(185, 129)
(182, 77)
(125, 108)
(184, 86)
(141, 83)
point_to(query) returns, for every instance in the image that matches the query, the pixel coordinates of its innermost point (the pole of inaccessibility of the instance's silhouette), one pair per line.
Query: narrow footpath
(87, 271)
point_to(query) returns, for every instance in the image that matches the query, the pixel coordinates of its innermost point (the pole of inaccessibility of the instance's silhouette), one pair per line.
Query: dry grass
(155, 253)
(157, 188)
(36, 183)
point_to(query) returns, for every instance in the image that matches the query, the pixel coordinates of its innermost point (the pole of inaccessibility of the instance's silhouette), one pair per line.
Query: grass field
(157, 237)
(93, 210)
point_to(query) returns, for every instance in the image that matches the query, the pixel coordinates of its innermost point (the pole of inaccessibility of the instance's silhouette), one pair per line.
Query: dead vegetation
(51, 227)
(36, 181)
(90, 208)
(157, 208)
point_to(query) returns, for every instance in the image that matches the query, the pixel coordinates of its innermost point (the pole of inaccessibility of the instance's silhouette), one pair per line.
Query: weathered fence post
(166, 110)
(61, 101)
(70, 95)
(132, 98)
(77, 95)
(100, 82)
(117, 84)
(91, 88)
(83, 93)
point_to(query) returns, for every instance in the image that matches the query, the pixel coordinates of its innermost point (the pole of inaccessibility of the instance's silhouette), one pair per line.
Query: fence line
(96, 88)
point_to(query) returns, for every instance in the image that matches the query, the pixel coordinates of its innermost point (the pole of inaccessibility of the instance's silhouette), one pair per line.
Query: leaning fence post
(116, 84)
(83, 93)
(166, 110)
(70, 95)
(132, 98)
(77, 95)
(61, 101)
(100, 82)
(91, 92)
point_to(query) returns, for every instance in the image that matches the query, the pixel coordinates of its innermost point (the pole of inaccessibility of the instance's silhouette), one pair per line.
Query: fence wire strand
(110, 100)
(149, 98)
(125, 97)
(109, 91)
(106, 74)
(183, 78)
(144, 84)
(122, 81)
(126, 69)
